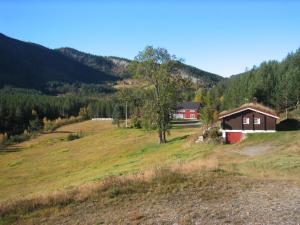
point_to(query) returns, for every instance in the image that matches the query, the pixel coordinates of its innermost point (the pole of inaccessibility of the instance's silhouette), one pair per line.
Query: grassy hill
(29, 65)
(50, 162)
(110, 168)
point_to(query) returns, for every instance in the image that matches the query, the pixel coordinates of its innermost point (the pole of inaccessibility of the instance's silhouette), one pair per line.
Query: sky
(223, 37)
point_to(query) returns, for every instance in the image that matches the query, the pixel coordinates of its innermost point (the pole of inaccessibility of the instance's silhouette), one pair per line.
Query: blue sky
(223, 37)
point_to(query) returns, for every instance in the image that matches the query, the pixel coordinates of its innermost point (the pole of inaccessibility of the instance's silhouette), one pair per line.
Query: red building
(187, 110)
(249, 118)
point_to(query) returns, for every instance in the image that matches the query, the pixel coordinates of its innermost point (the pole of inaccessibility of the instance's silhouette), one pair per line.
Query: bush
(288, 125)
(3, 138)
(54, 124)
(14, 139)
(72, 137)
(213, 135)
(75, 136)
(136, 122)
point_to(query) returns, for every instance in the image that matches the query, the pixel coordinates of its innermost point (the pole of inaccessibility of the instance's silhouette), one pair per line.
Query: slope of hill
(29, 65)
(118, 67)
(113, 65)
(274, 83)
(199, 76)
(52, 180)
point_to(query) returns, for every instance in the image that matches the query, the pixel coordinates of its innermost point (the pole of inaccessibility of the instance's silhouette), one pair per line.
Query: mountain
(199, 76)
(109, 64)
(29, 65)
(118, 67)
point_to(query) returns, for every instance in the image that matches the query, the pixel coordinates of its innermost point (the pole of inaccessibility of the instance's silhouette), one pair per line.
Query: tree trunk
(164, 137)
(160, 137)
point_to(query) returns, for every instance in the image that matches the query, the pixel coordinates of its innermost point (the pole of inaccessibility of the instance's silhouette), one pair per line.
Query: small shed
(248, 118)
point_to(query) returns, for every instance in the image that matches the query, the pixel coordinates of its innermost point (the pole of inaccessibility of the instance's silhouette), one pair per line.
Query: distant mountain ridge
(118, 66)
(115, 66)
(29, 65)
(33, 66)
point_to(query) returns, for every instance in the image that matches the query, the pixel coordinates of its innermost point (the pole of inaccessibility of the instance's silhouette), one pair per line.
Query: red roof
(251, 106)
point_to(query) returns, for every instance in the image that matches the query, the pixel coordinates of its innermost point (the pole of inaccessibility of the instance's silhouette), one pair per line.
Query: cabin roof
(188, 105)
(250, 106)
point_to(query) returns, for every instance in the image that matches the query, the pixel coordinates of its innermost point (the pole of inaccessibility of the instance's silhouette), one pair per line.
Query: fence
(101, 118)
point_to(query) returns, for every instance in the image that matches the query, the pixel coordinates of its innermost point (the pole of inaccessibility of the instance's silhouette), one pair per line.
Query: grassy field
(279, 159)
(50, 162)
(59, 177)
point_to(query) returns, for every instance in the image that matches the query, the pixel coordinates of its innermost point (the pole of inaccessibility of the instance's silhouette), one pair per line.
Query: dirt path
(262, 202)
(256, 150)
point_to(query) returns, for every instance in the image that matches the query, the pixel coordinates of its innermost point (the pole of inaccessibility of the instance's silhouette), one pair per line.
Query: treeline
(24, 110)
(81, 89)
(275, 84)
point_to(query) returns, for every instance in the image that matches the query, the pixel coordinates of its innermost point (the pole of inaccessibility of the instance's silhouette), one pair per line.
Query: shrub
(72, 137)
(75, 136)
(14, 139)
(3, 138)
(136, 122)
(213, 135)
(54, 124)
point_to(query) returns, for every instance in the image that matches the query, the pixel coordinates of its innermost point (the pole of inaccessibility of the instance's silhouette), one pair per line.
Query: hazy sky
(223, 37)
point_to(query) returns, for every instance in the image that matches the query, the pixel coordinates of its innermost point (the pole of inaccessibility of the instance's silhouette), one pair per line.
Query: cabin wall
(271, 123)
(235, 121)
(232, 122)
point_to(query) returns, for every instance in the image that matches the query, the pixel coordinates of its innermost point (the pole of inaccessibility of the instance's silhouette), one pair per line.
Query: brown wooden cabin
(249, 118)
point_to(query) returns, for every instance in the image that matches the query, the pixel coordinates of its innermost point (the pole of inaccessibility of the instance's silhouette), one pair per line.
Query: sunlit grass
(50, 162)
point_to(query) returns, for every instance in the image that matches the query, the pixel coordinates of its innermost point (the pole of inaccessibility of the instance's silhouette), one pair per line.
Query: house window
(256, 120)
(246, 120)
(193, 116)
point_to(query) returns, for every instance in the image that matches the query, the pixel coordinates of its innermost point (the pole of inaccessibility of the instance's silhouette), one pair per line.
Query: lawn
(280, 161)
(50, 162)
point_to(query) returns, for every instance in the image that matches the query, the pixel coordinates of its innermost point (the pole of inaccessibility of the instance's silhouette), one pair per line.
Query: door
(233, 137)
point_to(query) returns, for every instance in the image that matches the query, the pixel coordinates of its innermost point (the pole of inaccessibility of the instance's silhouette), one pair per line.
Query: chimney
(254, 100)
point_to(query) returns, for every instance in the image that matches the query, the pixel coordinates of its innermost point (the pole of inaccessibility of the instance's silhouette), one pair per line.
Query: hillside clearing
(204, 183)
(50, 162)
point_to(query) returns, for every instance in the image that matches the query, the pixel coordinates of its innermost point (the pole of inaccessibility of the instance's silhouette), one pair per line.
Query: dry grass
(159, 180)
(46, 173)
(49, 162)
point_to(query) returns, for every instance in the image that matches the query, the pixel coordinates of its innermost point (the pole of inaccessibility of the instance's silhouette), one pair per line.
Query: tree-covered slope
(29, 65)
(199, 76)
(118, 67)
(113, 65)
(273, 83)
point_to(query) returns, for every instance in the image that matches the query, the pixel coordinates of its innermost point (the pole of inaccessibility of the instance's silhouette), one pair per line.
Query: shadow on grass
(9, 149)
(177, 138)
(58, 132)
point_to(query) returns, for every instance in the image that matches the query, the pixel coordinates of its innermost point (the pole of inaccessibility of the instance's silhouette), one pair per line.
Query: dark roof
(252, 106)
(188, 105)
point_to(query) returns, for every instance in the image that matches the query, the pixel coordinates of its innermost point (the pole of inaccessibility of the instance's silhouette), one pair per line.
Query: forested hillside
(24, 109)
(29, 65)
(119, 67)
(113, 65)
(273, 83)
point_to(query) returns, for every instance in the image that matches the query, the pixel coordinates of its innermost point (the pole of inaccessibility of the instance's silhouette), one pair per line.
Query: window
(256, 120)
(193, 116)
(246, 120)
